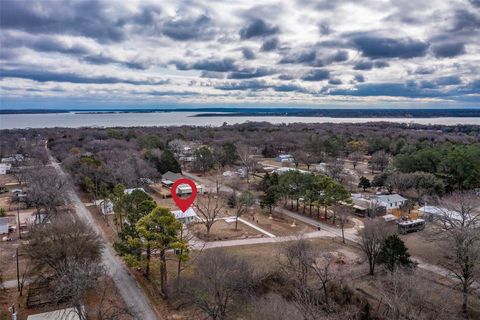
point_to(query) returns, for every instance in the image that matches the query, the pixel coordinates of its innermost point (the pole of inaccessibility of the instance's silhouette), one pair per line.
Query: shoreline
(271, 112)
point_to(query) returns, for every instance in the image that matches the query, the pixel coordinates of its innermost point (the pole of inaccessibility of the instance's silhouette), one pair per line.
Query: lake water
(76, 120)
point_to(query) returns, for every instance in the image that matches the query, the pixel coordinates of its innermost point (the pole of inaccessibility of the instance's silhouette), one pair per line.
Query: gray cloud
(248, 53)
(340, 56)
(86, 18)
(465, 20)
(380, 47)
(335, 81)
(46, 76)
(252, 73)
(253, 85)
(359, 78)
(448, 81)
(363, 65)
(316, 75)
(258, 28)
(290, 87)
(189, 29)
(270, 44)
(448, 49)
(304, 56)
(215, 65)
(424, 70)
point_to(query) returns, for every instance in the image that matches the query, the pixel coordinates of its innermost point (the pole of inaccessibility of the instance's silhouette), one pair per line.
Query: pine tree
(159, 231)
(394, 253)
(364, 183)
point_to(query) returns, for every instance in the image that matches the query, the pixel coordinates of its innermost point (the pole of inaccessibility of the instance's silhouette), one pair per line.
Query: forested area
(442, 157)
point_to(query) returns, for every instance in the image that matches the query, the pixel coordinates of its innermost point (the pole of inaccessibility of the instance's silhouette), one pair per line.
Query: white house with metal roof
(390, 201)
(186, 217)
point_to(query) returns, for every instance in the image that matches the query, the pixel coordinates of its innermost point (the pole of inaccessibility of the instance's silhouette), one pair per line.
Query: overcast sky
(306, 53)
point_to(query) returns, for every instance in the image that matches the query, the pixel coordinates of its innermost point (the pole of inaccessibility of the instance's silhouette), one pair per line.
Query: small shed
(186, 217)
(106, 206)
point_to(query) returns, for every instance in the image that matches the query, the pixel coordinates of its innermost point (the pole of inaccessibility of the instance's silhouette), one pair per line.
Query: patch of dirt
(278, 225)
(222, 230)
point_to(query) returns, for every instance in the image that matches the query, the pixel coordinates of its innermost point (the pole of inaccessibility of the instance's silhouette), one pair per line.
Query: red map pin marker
(183, 204)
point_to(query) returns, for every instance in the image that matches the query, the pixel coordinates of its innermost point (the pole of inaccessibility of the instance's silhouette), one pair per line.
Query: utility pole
(18, 272)
(18, 222)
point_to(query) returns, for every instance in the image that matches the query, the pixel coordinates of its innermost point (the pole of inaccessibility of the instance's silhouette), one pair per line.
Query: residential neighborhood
(256, 207)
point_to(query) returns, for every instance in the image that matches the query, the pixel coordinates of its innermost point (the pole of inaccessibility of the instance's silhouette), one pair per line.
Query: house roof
(130, 190)
(442, 212)
(390, 198)
(190, 213)
(4, 223)
(169, 175)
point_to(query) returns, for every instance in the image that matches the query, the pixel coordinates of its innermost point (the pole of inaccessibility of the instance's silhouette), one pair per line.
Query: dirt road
(128, 287)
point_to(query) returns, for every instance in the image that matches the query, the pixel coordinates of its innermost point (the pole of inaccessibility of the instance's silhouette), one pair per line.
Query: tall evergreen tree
(394, 254)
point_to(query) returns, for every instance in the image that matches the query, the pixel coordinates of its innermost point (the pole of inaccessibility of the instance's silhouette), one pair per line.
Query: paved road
(253, 241)
(128, 287)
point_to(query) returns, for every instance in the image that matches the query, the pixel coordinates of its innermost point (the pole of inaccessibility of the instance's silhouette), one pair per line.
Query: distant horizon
(192, 106)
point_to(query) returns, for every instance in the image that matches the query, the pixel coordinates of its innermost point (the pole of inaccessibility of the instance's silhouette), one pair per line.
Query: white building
(186, 217)
(432, 212)
(287, 169)
(130, 190)
(390, 201)
(285, 158)
(169, 178)
(5, 168)
(106, 206)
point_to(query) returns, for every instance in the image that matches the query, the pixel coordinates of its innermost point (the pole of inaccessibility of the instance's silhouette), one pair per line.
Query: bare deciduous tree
(209, 206)
(343, 213)
(408, 296)
(248, 163)
(379, 160)
(335, 168)
(73, 280)
(273, 307)
(219, 280)
(355, 157)
(52, 246)
(243, 203)
(45, 189)
(323, 270)
(372, 237)
(295, 260)
(460, 230)
(111, 309)
(68, 250)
